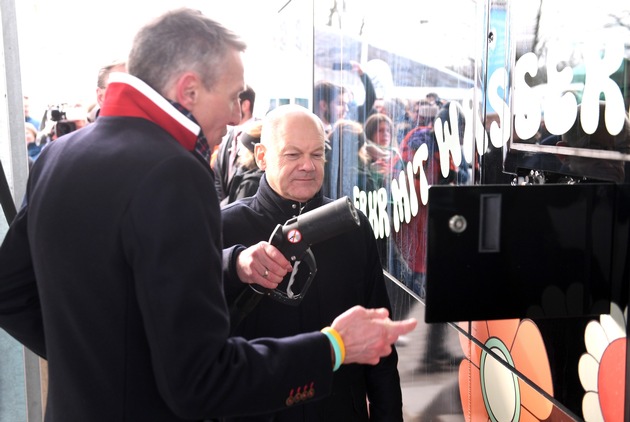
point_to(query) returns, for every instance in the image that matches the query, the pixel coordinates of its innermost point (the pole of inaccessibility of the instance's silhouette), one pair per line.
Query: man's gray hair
(178, 41)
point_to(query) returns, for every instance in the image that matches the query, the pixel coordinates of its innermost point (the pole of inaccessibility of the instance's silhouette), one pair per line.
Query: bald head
(286, 115)
(291, 152)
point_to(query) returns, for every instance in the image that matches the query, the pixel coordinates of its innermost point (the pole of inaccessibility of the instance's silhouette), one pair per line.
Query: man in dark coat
(112, 269)
(349, 271)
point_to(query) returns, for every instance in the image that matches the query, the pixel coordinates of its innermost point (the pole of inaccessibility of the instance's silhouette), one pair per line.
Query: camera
(63, 126)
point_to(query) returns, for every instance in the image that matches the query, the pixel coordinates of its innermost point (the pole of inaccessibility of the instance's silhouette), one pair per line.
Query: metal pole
(14, 157)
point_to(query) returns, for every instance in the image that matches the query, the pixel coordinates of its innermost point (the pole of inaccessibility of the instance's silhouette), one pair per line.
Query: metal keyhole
(457, 224)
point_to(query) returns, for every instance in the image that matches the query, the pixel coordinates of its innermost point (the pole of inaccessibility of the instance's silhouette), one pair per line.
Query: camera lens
(63, 128)
(55, 115)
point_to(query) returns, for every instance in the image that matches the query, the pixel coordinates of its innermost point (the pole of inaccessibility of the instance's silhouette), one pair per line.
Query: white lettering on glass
(557, 106)
(598, 72)
(527, 110)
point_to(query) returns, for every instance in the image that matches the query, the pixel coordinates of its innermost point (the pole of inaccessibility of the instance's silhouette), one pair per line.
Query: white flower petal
(591, 409)
(597, 337)
(595, 340)
(588, 368)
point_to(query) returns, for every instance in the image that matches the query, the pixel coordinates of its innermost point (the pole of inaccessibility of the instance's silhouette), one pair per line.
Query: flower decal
(600, 367)
(489, 390)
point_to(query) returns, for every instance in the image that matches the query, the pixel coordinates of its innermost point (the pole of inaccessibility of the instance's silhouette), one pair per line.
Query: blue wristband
(336, 349)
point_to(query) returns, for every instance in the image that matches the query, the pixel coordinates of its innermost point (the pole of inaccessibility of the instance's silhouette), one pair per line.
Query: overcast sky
(63, 43)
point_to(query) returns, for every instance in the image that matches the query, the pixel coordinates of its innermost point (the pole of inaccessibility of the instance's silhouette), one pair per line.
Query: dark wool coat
(349, 273)
(112, 272)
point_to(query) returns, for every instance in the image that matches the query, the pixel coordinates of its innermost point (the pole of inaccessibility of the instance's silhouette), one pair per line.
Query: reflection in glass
(380, 84)
(526, 75)
(488, 388)
(563, 70)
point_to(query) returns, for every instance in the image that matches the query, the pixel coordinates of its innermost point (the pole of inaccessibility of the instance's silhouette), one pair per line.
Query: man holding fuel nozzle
(348, 270)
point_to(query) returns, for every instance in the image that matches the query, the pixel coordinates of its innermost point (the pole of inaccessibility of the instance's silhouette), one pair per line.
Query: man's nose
(235, 118)
(308, 164)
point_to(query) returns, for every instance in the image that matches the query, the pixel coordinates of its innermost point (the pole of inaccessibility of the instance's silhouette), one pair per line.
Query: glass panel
(394, 95)
(428, 361)
(571, 90)
(545, 369)
(488, 68)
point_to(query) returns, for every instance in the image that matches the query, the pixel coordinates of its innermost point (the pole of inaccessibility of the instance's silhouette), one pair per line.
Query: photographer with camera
(58, 120)
(62, 119)
(348, 273)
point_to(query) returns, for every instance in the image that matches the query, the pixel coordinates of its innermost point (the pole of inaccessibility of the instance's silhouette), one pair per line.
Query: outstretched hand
(368, 334)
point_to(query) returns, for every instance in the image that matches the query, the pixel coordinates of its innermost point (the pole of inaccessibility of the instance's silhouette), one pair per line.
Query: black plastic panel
(525, 251)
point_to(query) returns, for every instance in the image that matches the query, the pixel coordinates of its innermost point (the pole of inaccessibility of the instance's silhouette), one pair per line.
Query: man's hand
(356, 67)
(368, 334)
(262, 264)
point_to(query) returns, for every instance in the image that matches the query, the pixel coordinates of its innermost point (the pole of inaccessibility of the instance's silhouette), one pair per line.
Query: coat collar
(128, 96)
(283, 209)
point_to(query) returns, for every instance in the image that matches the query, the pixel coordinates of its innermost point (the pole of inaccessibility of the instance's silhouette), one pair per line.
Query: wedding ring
(266, 273)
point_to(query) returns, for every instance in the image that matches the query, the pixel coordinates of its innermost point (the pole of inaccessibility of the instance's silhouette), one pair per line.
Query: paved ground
(430, 391)
(12, 387)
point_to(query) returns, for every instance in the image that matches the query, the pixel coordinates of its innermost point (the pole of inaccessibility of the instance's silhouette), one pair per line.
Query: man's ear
(187, 90)
(100, 96)
(259, 154)
(323, 106)
(246, 106)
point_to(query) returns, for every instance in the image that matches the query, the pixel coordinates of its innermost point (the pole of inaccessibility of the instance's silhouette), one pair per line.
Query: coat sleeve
(20, 310)
(232, 284)
(370, 99)
(173, 244)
